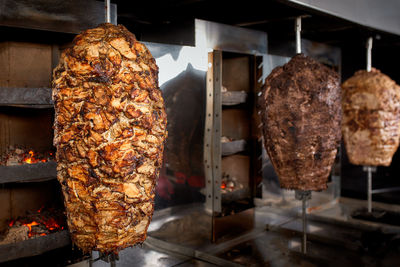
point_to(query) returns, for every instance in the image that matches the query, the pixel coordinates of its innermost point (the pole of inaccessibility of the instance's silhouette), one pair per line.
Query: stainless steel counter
(335, 239)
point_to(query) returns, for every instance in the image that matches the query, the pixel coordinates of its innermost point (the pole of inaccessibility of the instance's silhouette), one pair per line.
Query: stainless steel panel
(270, 62)
(326, 54)
(229, 38)
(142, 256)
(54, 15)
(381, 15)
(182, 79)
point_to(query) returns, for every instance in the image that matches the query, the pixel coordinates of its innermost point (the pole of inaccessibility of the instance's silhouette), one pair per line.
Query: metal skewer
(303, 196)
(111, 258)
(108, 10)
(299, 194)
(304, 218)
(369, 51)
(369, 170)
(297, 29)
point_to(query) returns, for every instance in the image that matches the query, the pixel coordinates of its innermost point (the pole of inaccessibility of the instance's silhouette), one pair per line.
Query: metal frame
(216, 130)
(34, 246)
(220, 37)
(37, 172)
(29, 97)
(212, 133)
(229, 38)
(208, 163)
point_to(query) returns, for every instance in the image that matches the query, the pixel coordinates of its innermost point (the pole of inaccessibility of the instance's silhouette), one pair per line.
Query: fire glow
(21, 156)
(31, 158)
(223, 185)
(36, 227)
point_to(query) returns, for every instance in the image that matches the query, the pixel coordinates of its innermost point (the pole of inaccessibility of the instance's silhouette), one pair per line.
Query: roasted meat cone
(109, 130)
(301, 115)
(371, 118)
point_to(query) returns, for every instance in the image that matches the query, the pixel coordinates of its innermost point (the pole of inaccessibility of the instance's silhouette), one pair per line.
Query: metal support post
(303, 196)
(369, 170)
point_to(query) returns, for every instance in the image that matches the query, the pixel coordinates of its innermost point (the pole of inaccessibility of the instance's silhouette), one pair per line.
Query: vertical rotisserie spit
(301, 114)
(110, 128)
(371, 118)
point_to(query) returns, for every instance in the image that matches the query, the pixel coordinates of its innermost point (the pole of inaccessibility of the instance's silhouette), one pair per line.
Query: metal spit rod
(297, 28)
(369, 190)
(108, 10)
(303, 196)
(369, 52)
(369, 170)
(304, 217)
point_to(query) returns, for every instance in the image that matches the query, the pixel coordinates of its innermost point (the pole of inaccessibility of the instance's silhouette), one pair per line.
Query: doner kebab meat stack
(301, 115)
(110, 128)
(371, 118)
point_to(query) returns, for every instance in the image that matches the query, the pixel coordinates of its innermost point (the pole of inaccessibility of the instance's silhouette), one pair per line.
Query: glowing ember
(18, 155)
(223, 185)
(51, 224)
(44, 222)
(30, 234)
(32, 157)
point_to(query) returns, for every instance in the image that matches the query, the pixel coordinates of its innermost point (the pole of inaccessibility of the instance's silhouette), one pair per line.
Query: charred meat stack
(301, 114)
(110, 128)
(371, 118)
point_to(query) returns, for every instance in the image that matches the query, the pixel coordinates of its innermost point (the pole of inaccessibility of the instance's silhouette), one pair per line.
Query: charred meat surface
(110, 128)
(301, 114)
(371, 118)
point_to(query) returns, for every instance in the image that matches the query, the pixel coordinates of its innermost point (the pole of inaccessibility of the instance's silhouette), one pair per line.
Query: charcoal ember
(301, 115)
(371, 118)
(110, 128)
